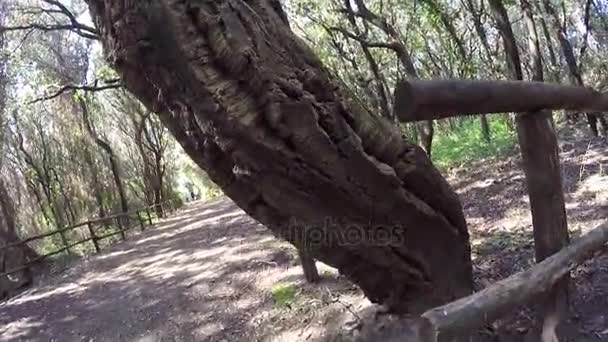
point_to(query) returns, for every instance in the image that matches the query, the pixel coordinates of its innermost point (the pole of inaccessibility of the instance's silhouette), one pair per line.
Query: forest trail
(204, 274)
(208, 273)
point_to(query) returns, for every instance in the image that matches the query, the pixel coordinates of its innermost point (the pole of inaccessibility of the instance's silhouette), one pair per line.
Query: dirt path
(206, 274)
(209, 272)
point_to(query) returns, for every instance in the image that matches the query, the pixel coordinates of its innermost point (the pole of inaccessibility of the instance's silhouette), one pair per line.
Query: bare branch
(418, 100)
(363, 40)
(48, 28)
(64, 10)
(80, 29)
(109, 84)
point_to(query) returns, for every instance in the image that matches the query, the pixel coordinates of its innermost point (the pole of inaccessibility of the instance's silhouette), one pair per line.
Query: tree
(109, 151)
(540, 156)
(8, 229)
(574, 69)
(280, 137)
(151, 140)
(396, 43)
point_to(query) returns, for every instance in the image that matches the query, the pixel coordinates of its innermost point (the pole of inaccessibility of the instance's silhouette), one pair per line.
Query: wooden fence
(546, 282)
(121, 222)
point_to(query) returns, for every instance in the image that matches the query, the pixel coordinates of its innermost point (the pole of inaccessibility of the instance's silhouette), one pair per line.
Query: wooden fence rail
(122, 221)
(453, 321)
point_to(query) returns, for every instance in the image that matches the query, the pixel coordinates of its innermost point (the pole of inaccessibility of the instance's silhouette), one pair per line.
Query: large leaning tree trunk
(254, 107)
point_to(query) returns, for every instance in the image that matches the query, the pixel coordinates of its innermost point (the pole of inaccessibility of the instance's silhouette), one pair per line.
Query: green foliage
(284, 294)
(465, 143)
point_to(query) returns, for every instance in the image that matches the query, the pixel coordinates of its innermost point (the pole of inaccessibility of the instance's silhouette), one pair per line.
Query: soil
(208, 273)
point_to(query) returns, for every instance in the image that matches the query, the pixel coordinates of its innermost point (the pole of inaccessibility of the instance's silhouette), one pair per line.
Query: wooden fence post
(142, 226)
(308, 265)
(64, 241)
(122, 232)
(93, 237)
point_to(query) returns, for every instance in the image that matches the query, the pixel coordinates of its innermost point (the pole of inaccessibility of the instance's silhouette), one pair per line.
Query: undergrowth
(465, 142)
(284, 294)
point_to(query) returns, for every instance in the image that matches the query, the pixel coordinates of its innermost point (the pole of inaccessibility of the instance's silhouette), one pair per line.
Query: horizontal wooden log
(417, 100)
(476, 311)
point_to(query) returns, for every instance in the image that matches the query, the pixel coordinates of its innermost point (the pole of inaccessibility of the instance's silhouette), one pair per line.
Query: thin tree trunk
(555, 75)
(3, 79)
(97, 189)
(437, 9)
(485, 128)
(66, 205)
(573, 67)
(254, 107)
(34, 189)
(147, 174)
(308, 266)
(156, 165)
(373, 65)
(425, 129)
(540, 156)
(114, 164)
(447, 23)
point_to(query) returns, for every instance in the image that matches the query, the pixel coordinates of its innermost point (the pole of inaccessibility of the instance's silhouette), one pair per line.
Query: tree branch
(80, 29)
(65, 11)
(48, 28)
(110, 84)
(363, 40)
(418, 100)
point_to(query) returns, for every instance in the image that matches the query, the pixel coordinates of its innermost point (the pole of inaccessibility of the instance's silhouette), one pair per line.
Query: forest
(380, 139)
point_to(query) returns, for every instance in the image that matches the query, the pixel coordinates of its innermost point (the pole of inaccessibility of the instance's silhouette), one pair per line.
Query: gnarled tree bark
(254, 107)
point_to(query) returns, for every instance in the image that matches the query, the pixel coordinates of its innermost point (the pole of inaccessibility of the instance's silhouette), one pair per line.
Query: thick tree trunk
(255, 108)
(13, 257)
